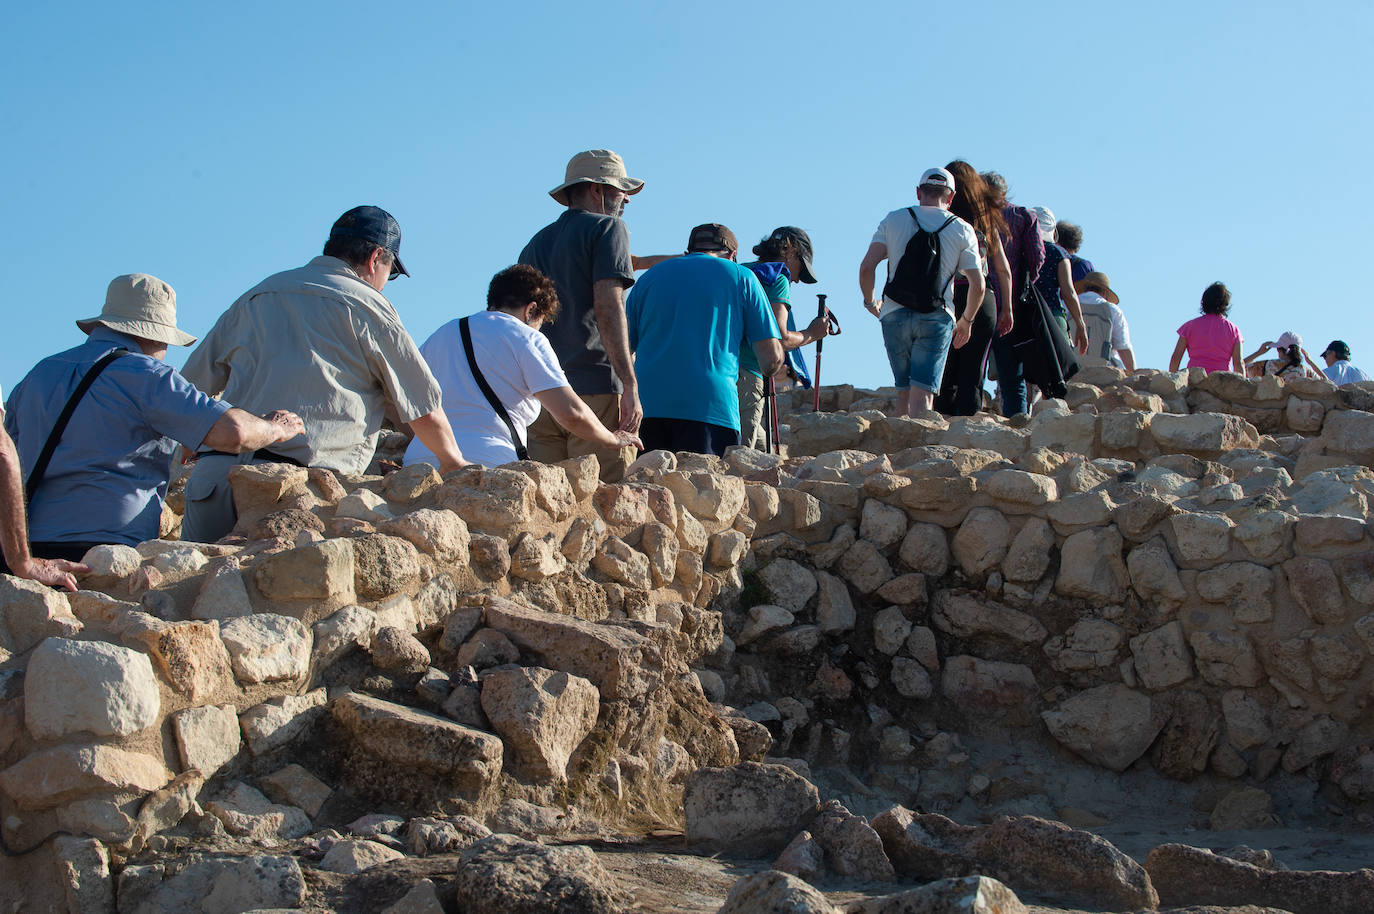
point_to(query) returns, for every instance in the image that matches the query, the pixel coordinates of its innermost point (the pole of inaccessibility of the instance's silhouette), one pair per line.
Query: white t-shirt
(958, 246)
(517, 362)
(1107, 330)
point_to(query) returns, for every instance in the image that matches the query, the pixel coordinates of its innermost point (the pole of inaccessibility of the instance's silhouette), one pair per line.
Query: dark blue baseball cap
(374, 224)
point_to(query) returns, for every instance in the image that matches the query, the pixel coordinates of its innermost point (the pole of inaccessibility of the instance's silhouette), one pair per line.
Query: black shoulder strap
(40, 466)
(487, 392)
(937, 232)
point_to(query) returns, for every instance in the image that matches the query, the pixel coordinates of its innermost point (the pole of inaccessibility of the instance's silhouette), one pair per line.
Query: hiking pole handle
(821, 311)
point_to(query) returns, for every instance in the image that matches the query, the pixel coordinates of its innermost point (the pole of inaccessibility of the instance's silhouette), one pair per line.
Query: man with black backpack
(925, 247)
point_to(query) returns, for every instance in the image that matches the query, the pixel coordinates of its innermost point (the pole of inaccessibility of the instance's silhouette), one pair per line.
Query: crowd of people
(573, 355)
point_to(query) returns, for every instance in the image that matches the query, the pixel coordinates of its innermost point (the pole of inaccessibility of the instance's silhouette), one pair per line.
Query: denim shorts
(917, 345)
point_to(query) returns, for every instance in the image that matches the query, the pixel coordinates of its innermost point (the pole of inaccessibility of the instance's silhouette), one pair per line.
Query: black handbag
(1045, 350)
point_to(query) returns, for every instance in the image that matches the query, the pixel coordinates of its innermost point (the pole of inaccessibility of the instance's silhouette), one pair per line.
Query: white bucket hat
(143, 306)
(596, 166)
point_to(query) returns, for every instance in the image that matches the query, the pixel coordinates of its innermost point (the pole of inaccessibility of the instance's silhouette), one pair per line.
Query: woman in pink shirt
(1211, 341)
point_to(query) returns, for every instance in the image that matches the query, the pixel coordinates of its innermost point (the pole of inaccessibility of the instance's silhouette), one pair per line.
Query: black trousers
(686, 435)
(961, 390)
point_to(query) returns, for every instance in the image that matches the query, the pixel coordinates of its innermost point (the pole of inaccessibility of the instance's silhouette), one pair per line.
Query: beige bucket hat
(143, 306)
(598, 166)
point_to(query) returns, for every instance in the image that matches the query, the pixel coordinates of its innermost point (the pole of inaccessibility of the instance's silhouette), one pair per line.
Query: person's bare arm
(436, 434)
(1264, 347)
(1070, 297)
(1311, 364)
(818, 329)
(963, 325)
(877, 253)
(770, 356)
(608, 303)
(1237, 360)
(239, 430)
(1002, 268)
(651, 260)
(1176, 359)
(571, 412)
(1127, 359)
(14, 535)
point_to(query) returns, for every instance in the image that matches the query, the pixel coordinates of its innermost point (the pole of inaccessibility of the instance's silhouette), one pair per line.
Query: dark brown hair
(1216, 299)
(517, 286)
(973, 201)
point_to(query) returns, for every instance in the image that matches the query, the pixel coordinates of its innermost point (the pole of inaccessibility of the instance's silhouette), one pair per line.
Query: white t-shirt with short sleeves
(517, 362)
(958, 246)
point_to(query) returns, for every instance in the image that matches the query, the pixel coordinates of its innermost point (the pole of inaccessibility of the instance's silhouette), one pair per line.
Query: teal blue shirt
(688, 319)
(776, 285)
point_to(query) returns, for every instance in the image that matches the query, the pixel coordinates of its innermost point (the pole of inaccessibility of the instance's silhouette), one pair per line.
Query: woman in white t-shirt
(519, 366)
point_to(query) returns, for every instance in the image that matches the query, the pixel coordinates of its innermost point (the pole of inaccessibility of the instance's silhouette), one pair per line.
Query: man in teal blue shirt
(688, 318)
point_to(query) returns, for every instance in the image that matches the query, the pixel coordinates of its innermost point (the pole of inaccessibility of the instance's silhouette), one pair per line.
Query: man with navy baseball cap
(1338, 368)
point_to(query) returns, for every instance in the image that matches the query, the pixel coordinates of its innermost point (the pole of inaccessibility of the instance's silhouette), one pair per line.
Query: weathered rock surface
(1194, 876)
(748, 808)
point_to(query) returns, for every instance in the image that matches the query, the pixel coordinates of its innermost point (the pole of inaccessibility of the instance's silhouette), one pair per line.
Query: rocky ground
(1049, 663)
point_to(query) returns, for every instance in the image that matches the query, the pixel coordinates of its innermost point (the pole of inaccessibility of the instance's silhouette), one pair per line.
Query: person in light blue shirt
(1338, 368)
(687, 319)
(108, 475)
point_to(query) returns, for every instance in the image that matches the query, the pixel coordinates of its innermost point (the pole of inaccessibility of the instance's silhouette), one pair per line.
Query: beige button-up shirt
(324, 344)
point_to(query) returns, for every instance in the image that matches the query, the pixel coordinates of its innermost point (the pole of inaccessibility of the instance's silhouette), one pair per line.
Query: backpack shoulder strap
(40, 466)
(487, 392)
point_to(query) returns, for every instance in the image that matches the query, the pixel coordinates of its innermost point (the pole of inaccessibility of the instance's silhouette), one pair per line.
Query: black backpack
(916, 284)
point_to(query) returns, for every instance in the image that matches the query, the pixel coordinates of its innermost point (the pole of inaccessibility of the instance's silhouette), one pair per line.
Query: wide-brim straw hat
(596, 166)
(1097, 282)
(142, 306)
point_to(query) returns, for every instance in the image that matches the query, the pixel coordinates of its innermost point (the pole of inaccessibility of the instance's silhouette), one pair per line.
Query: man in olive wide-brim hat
(108, 469)
(586, 252)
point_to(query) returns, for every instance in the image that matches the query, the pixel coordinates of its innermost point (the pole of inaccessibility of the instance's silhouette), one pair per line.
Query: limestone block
(1206, 436)
(623, 564)
(410, 482)
(943, 495)
(882, 524)
(88, 686)
(383, 565)
(1316, 740)
(318, 573)
(1137, 517)
(834, 607)
(724, 550)
(974, 684)
(348, 628)
(926, 550)
(970, 617)
(750, 806)
(404, 738)
(223, 595)
(623, 507)
(267, 647)
(1090, 566)
(542, 715)
(1304, 415)
(1226, 658)
(1364, 628)
(537, 558)
(910, 679)
(864, 567)
(491, 500)
(621, 663)
(1089, 644)
(1244, 587)
(1332, 492)
(207, 738)
(32, 612)
(1154, 575)
(84, 865)
(1018, 490)
(1028, 556)
(189, 655)
(246, 813)
(442, 534)
(783, 888)
(51, 777)
(277, 721)
(921, 645)
(1161, 657)
(1351, 432)
(890, 630)
(1312, 582)
(691, 535)
(965, 894)
(485, 649)
(355, 855)
(1327, 532)
(397, 651)
(1266, 535)
(1247, 723)
(503, 874)
(1336, 657)
(364, 504)
(1072, 433)
(1122, 431)
(763, 619)
(112, 562)
(905, 589)
(982, 540)
(713, 499)
(1201, 539)
(553, 492)
(1110, 725)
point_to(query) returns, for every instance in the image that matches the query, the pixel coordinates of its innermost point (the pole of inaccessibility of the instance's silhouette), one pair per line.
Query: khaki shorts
(549, 442)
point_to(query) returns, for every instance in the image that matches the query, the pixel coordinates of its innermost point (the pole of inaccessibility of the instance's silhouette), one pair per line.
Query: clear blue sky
(213, 144)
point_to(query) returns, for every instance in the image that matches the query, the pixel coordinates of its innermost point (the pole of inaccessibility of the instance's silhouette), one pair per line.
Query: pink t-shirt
(1211, 340)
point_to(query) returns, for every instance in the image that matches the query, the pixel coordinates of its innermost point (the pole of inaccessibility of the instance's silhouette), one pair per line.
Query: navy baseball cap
(374, 224)
(1339, 349)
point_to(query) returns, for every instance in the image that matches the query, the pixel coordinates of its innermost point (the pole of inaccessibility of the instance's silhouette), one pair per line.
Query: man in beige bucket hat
(586, 252)
(106, 470)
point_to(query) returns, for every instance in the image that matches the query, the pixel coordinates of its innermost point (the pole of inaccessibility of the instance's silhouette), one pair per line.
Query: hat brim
(148, 330)
(630, 186)
(398, 268)
(1105, 291)
(807, 274)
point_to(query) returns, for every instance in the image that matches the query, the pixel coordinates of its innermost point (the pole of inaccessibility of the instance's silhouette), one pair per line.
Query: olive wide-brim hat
(596, 166)
(143, 306)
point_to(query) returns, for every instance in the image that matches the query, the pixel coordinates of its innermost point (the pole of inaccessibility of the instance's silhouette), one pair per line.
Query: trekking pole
(768, 415)
(771, 392)
(816, 381)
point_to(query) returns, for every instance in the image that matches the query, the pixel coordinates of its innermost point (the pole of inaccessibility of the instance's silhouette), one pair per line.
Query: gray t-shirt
(576, 251)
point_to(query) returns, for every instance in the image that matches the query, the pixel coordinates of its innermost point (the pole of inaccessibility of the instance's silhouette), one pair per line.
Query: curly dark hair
(1216, 299)
(517, 286)
(973, 201)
